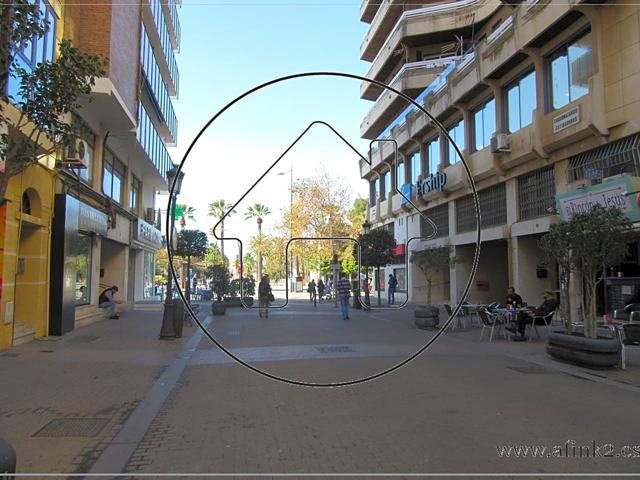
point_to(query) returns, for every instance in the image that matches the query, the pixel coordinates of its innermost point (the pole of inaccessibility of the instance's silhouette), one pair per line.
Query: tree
(191, 244)
(219, 275)
(433, 260)
(221, 209)
(357, 215)
(47, 94)
(258, 211)
(593, 241)
(214, 256)
(377, 249)
(188, 213)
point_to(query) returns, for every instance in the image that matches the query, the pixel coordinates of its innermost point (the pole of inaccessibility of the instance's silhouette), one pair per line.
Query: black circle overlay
(432, 339)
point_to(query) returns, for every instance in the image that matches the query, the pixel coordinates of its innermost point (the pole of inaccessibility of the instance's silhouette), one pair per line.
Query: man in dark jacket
(548, 305)
(107, 300)
(513, 298)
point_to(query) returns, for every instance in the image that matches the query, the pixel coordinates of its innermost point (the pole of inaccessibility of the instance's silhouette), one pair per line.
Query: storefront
(145, 243)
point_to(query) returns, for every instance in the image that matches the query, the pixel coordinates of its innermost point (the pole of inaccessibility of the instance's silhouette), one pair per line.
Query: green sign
(609, 194)
(178, 211)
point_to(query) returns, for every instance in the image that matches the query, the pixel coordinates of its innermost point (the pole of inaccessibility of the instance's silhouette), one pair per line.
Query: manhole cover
(72, 427)
(83, 339)
(529, 369)
(335, 349)
(9, 354)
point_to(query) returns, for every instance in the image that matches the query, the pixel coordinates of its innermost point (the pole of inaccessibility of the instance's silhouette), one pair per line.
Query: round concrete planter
(248, 301)
(218, 308)
(427, 316)
(601, 352)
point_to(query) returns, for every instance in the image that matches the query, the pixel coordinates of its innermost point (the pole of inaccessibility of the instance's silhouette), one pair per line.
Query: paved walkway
(122, 401)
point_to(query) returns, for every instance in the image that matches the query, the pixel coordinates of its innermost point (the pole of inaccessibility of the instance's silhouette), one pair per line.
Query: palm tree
(187, 214)
(258, 211)
(220, 209)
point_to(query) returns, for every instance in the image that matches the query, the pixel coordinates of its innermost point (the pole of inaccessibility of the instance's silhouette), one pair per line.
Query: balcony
(421, 25)
(172, 21)
(384, 20)
(368, 9)
(391, 109)
(152, 144)
(160, 38)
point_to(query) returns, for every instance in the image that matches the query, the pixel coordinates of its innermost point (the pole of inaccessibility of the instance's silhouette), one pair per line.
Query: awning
(621, 156)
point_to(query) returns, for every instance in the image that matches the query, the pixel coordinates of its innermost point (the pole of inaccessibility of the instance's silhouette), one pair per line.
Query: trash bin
(178, 316)
(7, 458)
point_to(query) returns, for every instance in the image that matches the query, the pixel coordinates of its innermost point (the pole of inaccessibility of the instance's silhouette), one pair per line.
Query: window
(571, 68)
(149, 275)
(415, 166)
(37, 50)
(521, 101)
(374, 187)
(456, 132)
(433, 155)
(400, 175)
(113, 173)
(493, 208)
(536, 193)
(134, 194)
(83, 269)
(484, 119)
(440, 217)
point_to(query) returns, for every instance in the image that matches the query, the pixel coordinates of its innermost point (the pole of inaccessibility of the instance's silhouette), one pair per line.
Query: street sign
(178, 211)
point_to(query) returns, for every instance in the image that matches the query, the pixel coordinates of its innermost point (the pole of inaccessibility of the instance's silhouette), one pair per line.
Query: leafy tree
(47, 94)
(593, 241)
(433, 260)
(258, 211)
(377, 249)
(357, 215)
(214, 256)
(248, 287)
(188, 213)
(248, 264)
(191, 244)
(219, 275)
(221, 209)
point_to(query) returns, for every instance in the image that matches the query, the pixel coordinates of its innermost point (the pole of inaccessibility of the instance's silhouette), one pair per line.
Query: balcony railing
(173, 22)
(162, 33)
(158, 87)
(152, 143)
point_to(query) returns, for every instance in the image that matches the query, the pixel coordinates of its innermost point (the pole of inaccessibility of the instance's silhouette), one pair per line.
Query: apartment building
(543, 101)
(94, 216)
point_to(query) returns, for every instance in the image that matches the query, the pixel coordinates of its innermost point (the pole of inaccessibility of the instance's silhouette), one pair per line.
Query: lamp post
(366, 228)
(168, 330)
(292, 283)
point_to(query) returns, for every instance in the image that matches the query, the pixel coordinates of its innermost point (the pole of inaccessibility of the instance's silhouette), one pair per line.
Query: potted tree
(430, 261)
(248, 290)
(377, 249)
(192, 244)
(585, 246)
(219, 275)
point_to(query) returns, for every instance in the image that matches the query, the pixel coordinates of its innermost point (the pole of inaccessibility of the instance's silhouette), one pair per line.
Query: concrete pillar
(500, 102)
(423, 160)
(466, 118)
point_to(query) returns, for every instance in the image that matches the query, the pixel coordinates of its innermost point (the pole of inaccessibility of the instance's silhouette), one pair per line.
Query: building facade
(98, 210)
(543, 102)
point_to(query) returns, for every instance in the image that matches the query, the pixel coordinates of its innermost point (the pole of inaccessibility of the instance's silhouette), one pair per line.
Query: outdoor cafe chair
(545, 320)
(460, 318)
(491, 321)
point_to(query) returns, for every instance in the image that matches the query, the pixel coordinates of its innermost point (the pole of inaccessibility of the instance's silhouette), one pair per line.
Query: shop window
(484, 119)
(134, 194)
(149, 275)
(521, 102)
(401, 277)
(570, 69)
(83, 269)
(433, 155)
(113, 174)
(456, 132)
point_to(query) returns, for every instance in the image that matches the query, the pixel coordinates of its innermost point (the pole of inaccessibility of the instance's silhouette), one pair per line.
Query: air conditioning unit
(500, 143)
(78, 155)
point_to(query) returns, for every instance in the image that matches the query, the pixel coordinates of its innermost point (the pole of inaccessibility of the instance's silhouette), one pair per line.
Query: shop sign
(609, 194)
(431, 183)
(92, 220)
(566, 119)
(148, 234)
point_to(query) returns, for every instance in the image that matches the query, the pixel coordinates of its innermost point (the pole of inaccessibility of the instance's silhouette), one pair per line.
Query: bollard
(7, 458)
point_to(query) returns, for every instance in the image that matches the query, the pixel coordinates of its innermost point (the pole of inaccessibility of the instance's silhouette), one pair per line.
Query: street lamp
(174, 179)
(366, 228)
(292, 285)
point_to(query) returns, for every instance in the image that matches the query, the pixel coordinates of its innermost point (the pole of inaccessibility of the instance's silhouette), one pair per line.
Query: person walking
(320, 289)
(264, 296)
(343, 289)
(312, 292)
(392, 284)
(107, 300)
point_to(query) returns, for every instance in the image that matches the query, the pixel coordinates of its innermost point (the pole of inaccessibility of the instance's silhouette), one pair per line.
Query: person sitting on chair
(513, 298)
(524, 317)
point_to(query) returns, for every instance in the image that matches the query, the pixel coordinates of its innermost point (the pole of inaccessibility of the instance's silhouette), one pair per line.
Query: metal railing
(536, 193)
(493, 208)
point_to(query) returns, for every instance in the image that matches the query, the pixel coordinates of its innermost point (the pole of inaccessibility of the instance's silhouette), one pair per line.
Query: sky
(229, 47)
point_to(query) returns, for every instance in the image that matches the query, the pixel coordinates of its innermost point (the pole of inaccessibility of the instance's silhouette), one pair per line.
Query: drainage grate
(83, 339)
(335, 349)
(72, 427)
(529, 369)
